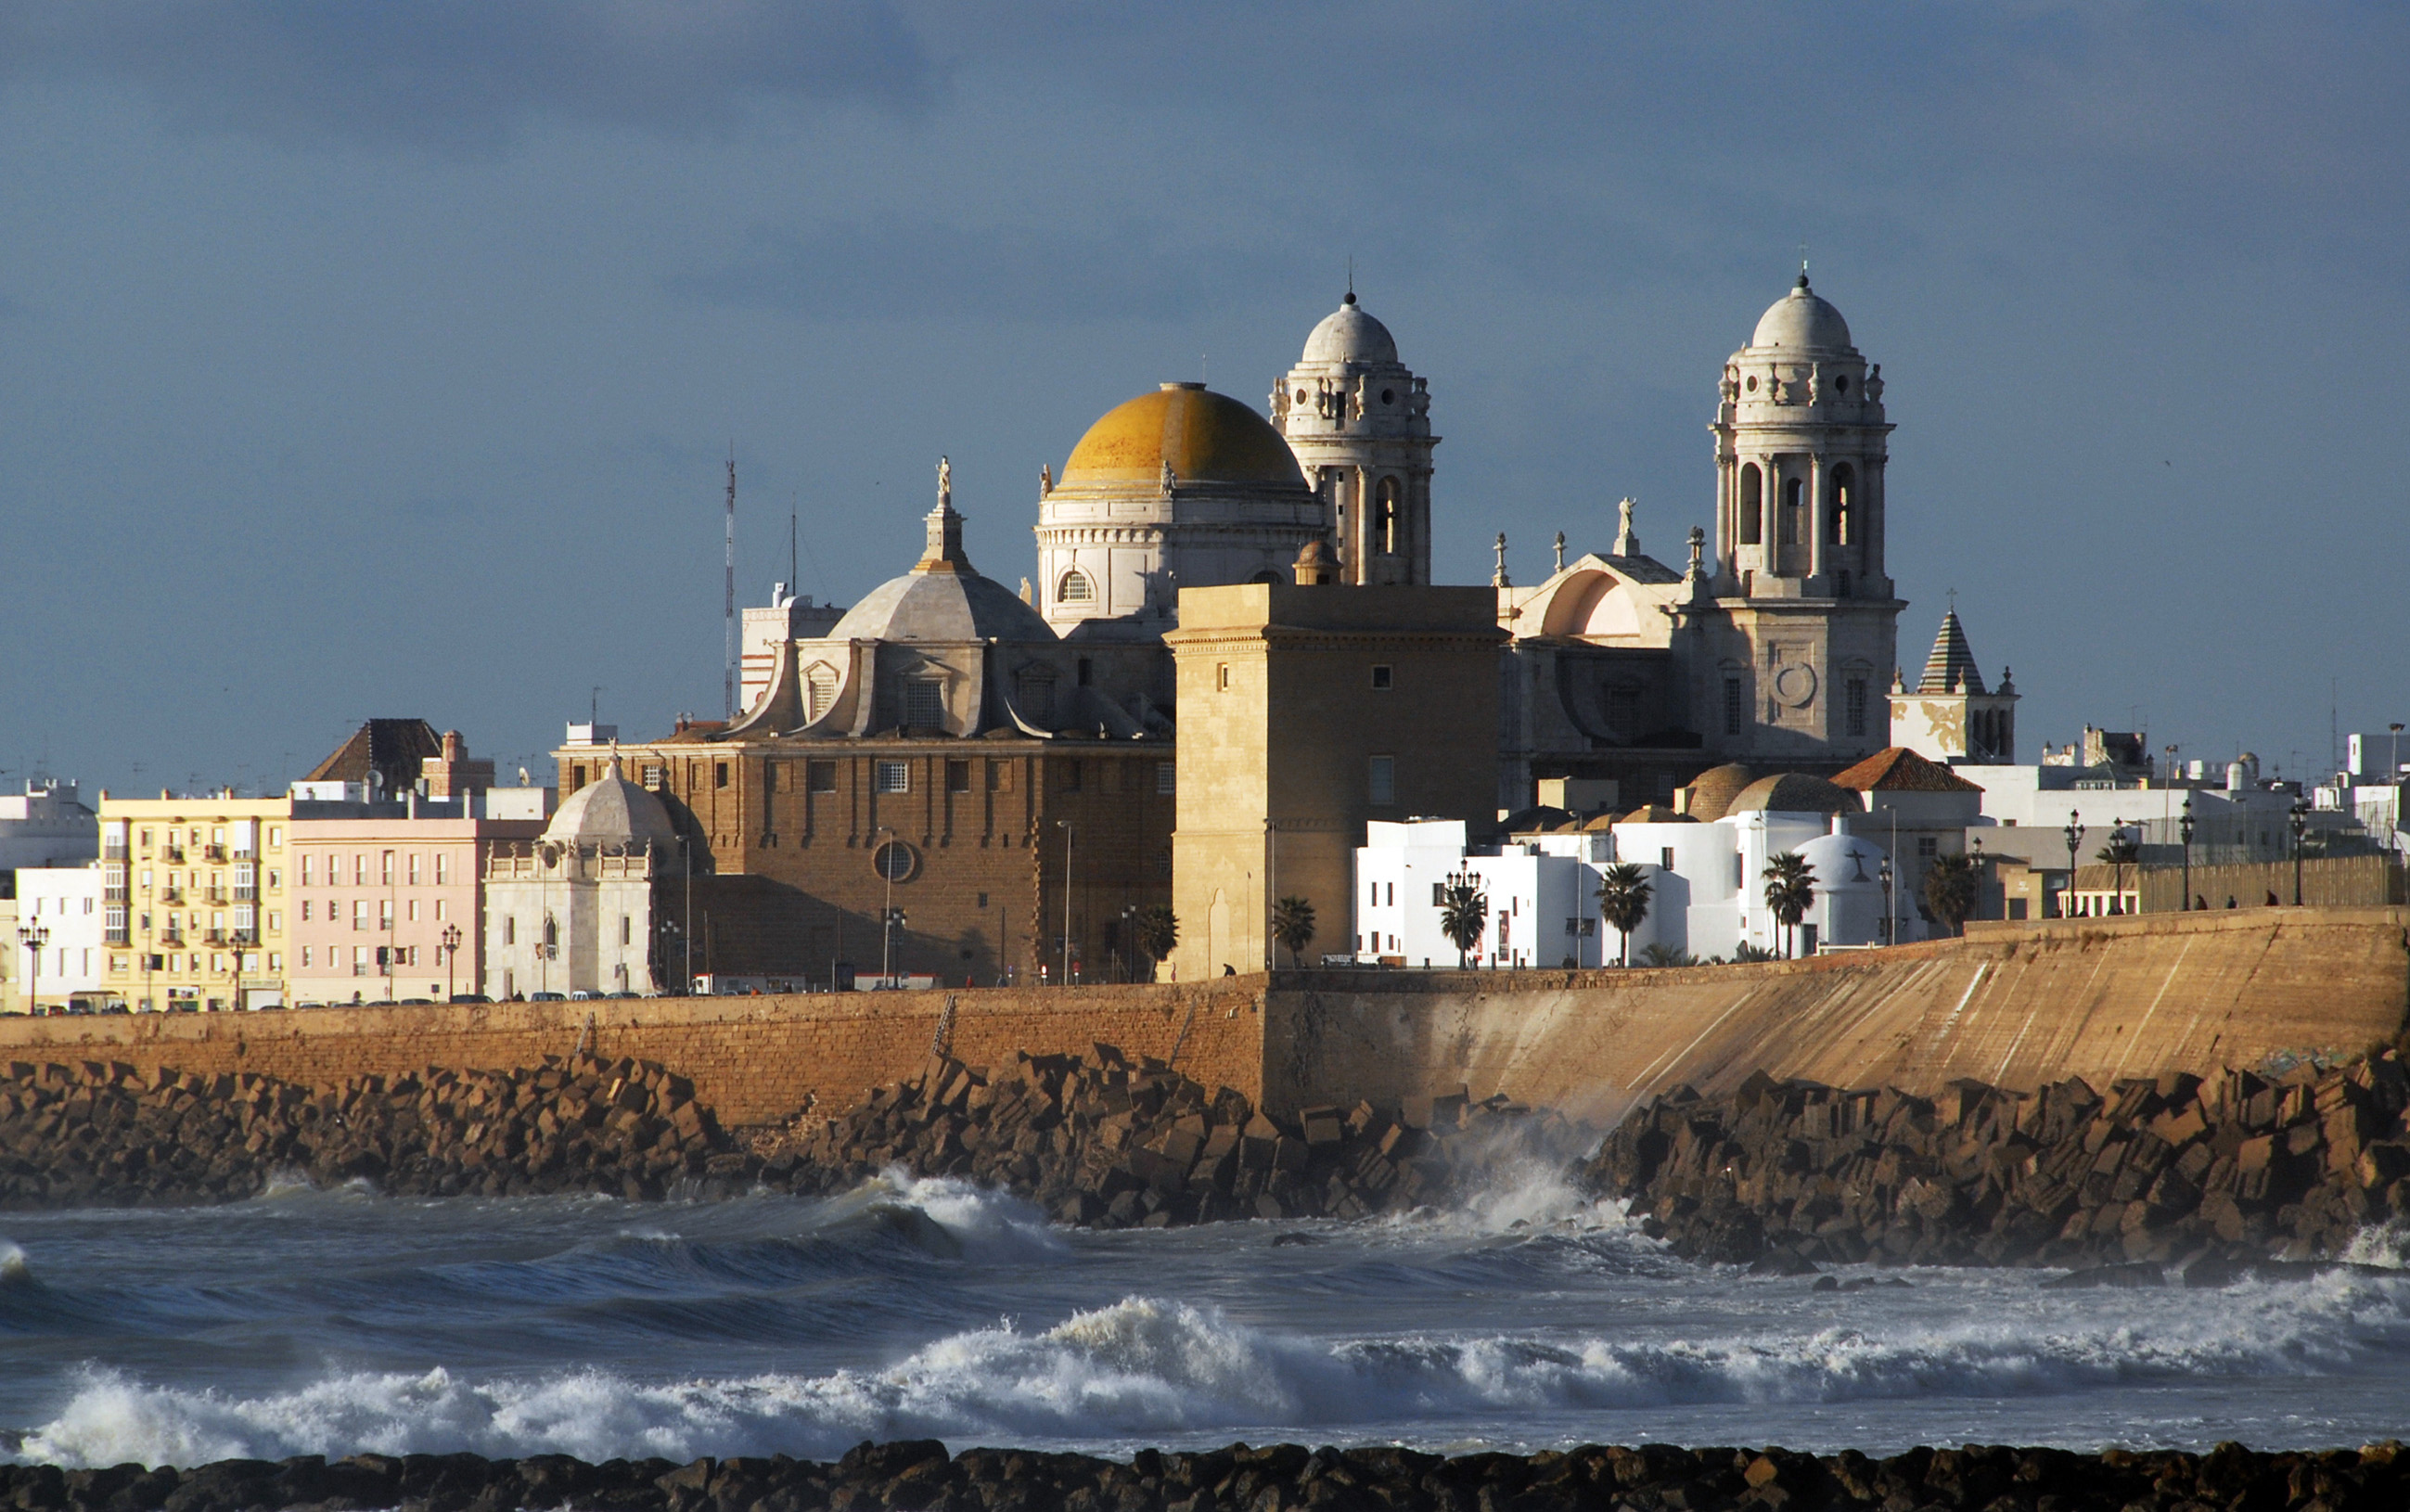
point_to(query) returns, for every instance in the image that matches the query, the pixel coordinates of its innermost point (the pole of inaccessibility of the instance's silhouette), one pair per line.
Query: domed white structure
(573, 911)
(1359, 423)
(611, 810)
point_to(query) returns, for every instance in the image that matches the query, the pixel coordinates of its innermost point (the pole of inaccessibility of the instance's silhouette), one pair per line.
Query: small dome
(942, 606)
(1348, 334)
(1801, 321)
(611, 810)
(1844, 864)
(1794, 793)
(1204, 437)
(1712, 792)
(1656, 814)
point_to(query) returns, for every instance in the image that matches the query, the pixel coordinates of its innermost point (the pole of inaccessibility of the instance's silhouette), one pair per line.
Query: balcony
(171, 894)
(215, 894)
(213, 853)
(173, 855)
(113, 850)
(171, 936)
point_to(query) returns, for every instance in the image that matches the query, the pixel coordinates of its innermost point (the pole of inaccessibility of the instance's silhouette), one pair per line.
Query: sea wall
(751, 1060)
(2015, 1005)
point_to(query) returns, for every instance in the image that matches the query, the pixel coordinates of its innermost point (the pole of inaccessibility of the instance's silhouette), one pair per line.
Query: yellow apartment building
(195, 901)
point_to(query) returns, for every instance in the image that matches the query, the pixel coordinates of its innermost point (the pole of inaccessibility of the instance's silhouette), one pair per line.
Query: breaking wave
(1145, 1368)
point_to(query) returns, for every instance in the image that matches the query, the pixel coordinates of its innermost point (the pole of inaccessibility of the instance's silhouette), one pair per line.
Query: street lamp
(1068, 833)
(1980, 875)
(2074, 832)
(2184, 832)
(451, 938)
(1124, 949)
(879, 858)
(33, 937)
(1884, 874)
(2300, 814)
(2118, 845)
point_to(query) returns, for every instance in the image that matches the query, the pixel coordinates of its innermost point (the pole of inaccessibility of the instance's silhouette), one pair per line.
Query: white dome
(1348, 334)
(1801, 321)
(612, 810)
(1843, 863)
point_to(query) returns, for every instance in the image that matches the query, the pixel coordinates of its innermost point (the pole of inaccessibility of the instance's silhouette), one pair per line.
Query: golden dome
(1203, 436)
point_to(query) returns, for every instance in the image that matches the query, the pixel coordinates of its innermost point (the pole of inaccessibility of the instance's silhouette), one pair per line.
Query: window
(309, 870)
(1221, 676)
(576, 776)
(958, 777)
(820, 689)
(626, 929)
(1753, 503)
(443, 869)
(359, 871)
(1736, 708)
(1665, 858)
(384, 913)
(1382, 785)
(1793, 489)
(413, 910)
(892, 776)
(924, 702)
(1393, 894)
(305, 911)
(510, 929)
(1928, 847)
(385, 868)
(1164, 772)
(439, 910)
(719, 774)
(1068, 776)
(1381, 678)
(1073, 587)
(1384, 517)
(999, 776)
(275, 836)
(411, 871)
(1857, 705)
(360, 913)
(1845, 492)
(820, 776)
(551, 932)
(305, 957)
(893, 862)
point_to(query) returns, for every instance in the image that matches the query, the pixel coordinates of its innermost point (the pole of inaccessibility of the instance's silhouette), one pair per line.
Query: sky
(385, 360)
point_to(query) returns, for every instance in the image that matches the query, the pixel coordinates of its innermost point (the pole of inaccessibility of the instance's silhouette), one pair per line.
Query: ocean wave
(1150, 1369)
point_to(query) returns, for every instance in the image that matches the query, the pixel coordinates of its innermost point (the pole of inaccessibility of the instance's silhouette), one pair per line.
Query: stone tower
(1799, 664)
(1359, 423)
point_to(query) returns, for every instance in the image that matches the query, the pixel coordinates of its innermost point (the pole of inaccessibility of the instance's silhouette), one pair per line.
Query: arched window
(1753, 505)
(820, 689)
(1845, 501)
(1793, 489)
(1073, 587)
(1384, 517)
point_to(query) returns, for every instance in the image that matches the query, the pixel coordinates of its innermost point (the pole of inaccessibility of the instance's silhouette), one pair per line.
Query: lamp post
(451, 938)
(1124, 957)
(33, 937)
(2300, 814)
(2184, 832)
(1883, 875)
(887, 907)
(2117, 842)
(1069, 835)
(1980, 875)
(2074, 832)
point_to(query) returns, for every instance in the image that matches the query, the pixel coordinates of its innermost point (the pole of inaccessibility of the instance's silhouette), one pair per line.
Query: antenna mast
(728, 686)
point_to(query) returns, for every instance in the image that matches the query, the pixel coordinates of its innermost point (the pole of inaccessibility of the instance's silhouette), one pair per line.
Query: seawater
(339, 1321)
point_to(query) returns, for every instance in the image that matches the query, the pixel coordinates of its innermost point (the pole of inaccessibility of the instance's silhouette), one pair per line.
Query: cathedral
(958, 779)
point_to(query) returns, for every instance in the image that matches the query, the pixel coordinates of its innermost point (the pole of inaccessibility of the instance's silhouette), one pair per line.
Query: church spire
(1950, 668)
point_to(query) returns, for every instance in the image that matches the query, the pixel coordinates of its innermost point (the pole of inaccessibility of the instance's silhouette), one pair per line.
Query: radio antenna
(728, 683)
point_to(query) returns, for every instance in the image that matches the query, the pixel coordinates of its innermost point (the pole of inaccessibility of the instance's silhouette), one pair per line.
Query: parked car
(547, 997)
(470, 998)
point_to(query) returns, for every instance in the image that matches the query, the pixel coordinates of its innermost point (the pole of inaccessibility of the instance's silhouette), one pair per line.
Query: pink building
(380, 906)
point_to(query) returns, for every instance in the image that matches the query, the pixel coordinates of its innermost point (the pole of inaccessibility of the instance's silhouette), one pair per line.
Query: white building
(1708, 893)
(47, 826)
(63, 905)
(572, 912)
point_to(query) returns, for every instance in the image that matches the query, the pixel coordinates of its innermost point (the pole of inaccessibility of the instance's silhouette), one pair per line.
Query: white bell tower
(1360, 422)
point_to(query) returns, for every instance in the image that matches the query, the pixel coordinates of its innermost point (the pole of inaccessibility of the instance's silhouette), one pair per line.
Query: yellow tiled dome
(1205, 437)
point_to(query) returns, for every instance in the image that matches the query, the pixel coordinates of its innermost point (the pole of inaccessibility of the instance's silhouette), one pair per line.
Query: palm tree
(1156, 931)
(1656, 953)
(1790, 891)
(1464, 917)
(1293, 925)
(2121, 851)
(1623, 893)
(1949, 887)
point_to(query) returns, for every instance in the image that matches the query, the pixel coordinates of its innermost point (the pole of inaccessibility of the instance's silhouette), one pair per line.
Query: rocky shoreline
(1099, 1140)
(922, 1475)
(2175, 1175)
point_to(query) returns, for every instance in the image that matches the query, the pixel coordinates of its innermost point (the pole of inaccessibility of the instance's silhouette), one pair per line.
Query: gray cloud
(893, 267)
(463, 77)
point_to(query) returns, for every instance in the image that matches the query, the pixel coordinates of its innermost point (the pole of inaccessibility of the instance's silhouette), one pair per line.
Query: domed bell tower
(1360, 422)
(1801, 445)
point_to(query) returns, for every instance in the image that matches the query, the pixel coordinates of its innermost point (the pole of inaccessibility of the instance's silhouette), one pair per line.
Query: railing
(117, 936)
(174, 854)
(246, 895)
(214, 852)
(171, 936)
(215, 937)
(171, 894)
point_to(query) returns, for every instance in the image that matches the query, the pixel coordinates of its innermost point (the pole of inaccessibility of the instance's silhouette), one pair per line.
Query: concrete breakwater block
(1271, 1478)
(2168, 1171)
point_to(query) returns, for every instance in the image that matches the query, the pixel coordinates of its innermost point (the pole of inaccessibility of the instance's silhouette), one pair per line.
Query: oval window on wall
(894, 862)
